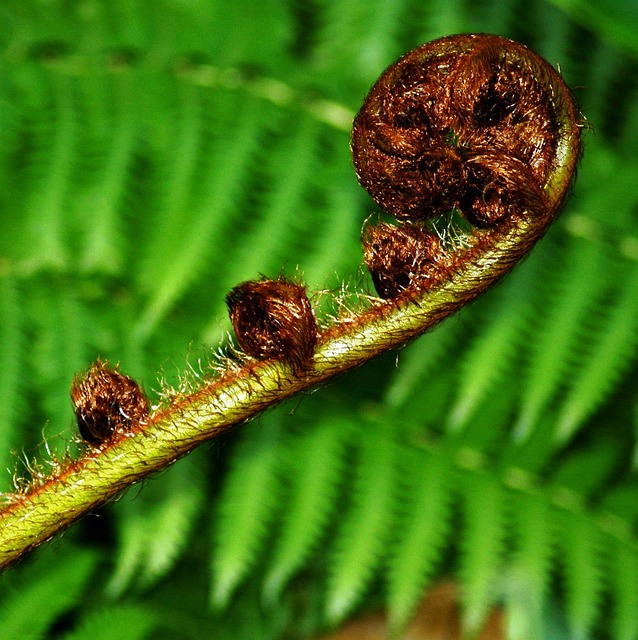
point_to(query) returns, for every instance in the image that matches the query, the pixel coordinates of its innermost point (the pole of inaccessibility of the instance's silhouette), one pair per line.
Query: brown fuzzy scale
(107, 402)
(403, 258)
(467, 122)
(274, 319)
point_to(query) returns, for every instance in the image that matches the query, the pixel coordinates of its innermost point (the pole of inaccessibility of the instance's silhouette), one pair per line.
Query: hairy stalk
(76, 487)
(171, 432)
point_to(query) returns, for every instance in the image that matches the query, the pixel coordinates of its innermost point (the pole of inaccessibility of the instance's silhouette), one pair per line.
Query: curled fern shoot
(471, 142)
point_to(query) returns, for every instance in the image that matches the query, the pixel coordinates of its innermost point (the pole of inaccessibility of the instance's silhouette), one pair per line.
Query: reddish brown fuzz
(274, 319)
(107, 402)
(466, 122)
(405, 257)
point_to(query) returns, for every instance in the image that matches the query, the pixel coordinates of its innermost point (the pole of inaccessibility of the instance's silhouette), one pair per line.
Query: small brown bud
(405, 257)
(274, 319)
(107, 401)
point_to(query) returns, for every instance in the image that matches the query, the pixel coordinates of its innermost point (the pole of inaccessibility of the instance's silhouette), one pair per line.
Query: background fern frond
(12, 363)
(531, 565)
(115, 622)
(152, 159)
(423, 530)
(317, 465)
(570, 305)
(491, 356)
(33, 602)
(482, 545)
(154, 526)
(58, 349)
(54, 138)
(580, 546)
(364, 529)
(623, 579)
(250, 496)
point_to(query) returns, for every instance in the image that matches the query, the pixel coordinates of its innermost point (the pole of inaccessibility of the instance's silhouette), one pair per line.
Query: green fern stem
(53, 502)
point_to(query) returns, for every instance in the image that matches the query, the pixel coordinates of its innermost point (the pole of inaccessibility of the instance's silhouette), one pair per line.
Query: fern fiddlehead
(471, 142)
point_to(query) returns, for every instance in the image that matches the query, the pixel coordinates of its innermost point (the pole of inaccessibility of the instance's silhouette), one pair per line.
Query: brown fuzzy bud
(403, 258)
(106, 402)
(473, 122)
(274, 319)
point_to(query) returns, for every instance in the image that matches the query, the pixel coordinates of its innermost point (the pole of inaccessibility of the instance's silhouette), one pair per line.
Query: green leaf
(316, 467)
(422, 529)
(581, 547)
(574, 294)
(155, 526)
(493, 349)
(418, 362)
(624, 580)
(53, 162)
(58, 353)
(12, 380)
(45, 592)
(531, 565)
(609, 353)
(249, 499)
(364, 527)
(114, 622)
(484, 503)
(201, 240)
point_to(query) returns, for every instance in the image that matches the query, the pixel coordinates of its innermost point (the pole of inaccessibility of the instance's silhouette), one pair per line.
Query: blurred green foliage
(154, 154)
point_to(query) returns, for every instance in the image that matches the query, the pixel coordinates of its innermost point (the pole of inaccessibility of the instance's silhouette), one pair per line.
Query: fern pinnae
(423, 525)
(554, 40)
(279, 222)
(610, 352)
(332, 243)
(55, 130)
(318, 459)
(577, 288)
(101, 202)
(178, 138)
(170, 520)
(529, 569)
(490, 16)
(581, 553)
(418, 361)
(58, 352)
(380, 29)
(365, 526)
(30, 608)
(493, 349)
(440, 17)
(623, 578)
(482, 544)
(132, 534)
(250, 495)
(119, 621)
(337, 23)
(585, 472)
(13, 355)
(202, 246)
